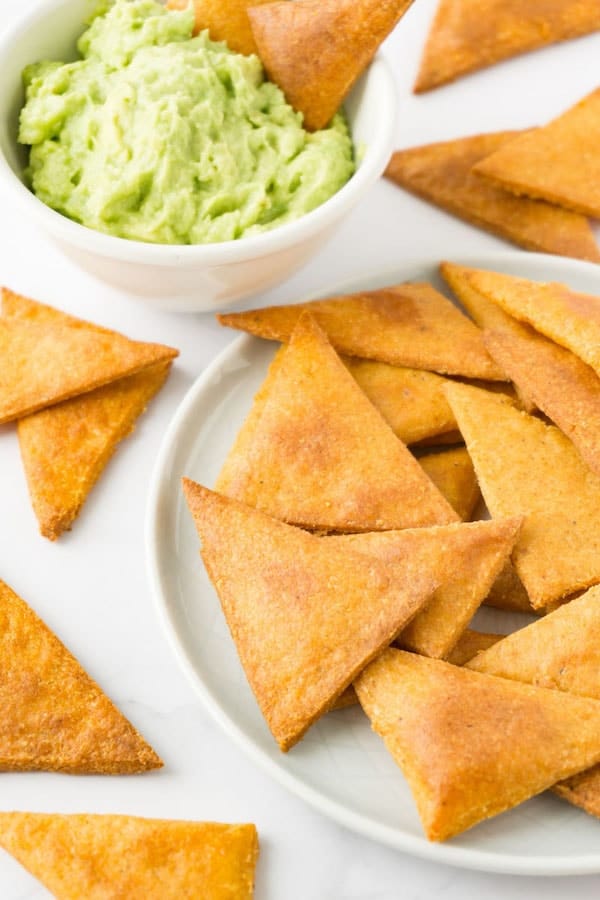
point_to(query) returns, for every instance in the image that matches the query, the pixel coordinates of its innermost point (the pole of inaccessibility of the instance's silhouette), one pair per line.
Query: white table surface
(91, 586)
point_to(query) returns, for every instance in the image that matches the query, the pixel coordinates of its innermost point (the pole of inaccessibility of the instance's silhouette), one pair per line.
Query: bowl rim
(83, 237)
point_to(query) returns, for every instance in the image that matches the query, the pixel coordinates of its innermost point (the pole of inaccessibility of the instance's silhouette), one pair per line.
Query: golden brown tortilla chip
(65, 447)
(484, 312)
(411, 401)
(316, 49)
(469, 643)
(440, 440)
(442, 174)
(569, 318)
(508, 593)
(560, 383)
(473, 745)
(108, 857)
(526, 468)
(453, 474)
(558, 163)
(321, 456)
(404, 325)
(54, 717)
(226, 20)
(306, 615)
(47, 359)
(467, 35)
(465, 559)
(561, 651)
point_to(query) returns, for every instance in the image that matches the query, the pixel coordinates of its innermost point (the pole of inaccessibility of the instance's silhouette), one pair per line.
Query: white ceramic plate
(341, 766)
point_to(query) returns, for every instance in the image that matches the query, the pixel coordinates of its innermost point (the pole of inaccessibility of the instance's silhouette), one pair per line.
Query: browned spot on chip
(473, 745)
(318, 454)
(106, 857)
(316, 49)
(467, 35)
(559, 163)
(54, 717)
(306, 615)
(405, 325)
(442, 174)
(530, 469)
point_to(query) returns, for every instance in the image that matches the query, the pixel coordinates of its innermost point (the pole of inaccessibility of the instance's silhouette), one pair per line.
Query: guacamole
(155, 135)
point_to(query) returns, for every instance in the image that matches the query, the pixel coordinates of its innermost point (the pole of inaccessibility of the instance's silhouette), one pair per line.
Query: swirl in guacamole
(155, 135)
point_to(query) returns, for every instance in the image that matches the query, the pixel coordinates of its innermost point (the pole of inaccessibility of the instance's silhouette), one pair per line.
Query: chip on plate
(110, 857)
(467, 35)
(306, 615)
(530, 469)
(316, 49)
(54, 717)
(442, 174)
(558, 163)
(471, 745)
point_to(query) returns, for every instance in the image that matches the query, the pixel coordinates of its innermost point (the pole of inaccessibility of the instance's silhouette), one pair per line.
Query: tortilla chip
(106, 857)
(446, 439)
(226, 20)
(306, 615)
(469, 643)
(468, 35)
(561, 385)
(65, 447)
(321, 456)
(453, 474)
(484, 312)
(316, 49)
(465, 559)
(49, 359)
(472, 745)
(558, 163)
(54, 717)
(508, 593)
(411, 401)
(569, 318)
(404, 325)
(526, 468)
(442, 174)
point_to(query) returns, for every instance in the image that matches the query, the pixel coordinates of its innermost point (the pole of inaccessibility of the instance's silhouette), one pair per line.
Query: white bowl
(184, 277)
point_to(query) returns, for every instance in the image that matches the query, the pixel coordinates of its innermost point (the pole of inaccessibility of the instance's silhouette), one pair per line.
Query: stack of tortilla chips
(341, 562)
(75, 390)
(535, 188)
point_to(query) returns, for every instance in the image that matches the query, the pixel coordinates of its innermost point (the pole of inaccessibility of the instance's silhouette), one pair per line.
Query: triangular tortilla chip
(306, 616)
(467, 35)
(508, 593)
(442, 174)
(484, 312)
(404, 325)
(567, 317)
(472, 745)
(54, 717)
(411, 401)
(441, 440)
(316, 49)
(558, 163)
(561, 385)
(466, 559)
(65, 447)
(453, 474)
(47, 359)
(226, 20)
(106, 857)
(321, 456)
(526, 468)
(561, 651)
(469, 643)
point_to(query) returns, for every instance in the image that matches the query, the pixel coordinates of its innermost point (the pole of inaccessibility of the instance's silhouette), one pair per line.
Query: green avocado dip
(155, 135)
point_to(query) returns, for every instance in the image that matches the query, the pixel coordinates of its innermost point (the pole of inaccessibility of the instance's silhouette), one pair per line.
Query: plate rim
(447, 854)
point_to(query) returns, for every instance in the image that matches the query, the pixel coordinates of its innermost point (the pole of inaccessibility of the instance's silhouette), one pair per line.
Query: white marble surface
(91, 587)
